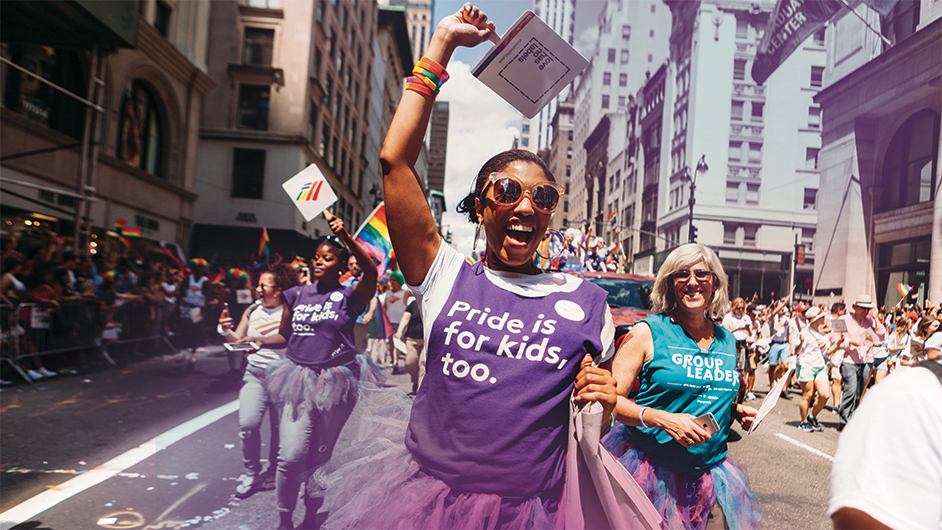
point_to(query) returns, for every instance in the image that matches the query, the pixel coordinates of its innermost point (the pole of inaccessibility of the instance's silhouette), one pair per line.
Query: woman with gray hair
(672, 437)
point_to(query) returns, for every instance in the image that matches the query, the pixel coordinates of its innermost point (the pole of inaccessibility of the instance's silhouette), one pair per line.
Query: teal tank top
(682, 378)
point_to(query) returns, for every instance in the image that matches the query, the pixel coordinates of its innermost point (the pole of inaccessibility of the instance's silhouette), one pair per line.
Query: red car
(628, 297)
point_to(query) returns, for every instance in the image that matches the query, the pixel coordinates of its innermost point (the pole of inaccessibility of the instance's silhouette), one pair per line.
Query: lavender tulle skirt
(685, 501)
(301, 388)
(372, 482)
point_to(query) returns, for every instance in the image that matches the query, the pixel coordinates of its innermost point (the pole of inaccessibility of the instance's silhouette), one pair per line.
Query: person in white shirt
(814, 349)
(744, 331)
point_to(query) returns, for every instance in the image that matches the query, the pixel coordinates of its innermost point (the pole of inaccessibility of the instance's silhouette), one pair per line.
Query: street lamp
(701, 168)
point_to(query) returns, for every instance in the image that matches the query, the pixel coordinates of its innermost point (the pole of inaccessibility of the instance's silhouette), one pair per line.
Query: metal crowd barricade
(140, 322)
(32, 330)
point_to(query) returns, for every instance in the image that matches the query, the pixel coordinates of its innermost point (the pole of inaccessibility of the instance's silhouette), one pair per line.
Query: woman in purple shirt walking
(485, 444)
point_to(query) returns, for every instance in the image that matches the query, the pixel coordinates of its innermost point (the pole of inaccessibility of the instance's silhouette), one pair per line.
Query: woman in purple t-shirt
(317, 383)
(485, 445)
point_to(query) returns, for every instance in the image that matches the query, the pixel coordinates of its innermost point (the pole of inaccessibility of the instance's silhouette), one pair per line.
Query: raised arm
(364, 289)
(411, 226)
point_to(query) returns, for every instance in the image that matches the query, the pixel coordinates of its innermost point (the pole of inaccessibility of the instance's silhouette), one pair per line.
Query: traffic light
(693, 234)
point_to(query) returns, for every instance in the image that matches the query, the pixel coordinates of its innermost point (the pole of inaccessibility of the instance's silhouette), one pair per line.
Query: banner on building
(791, 23)
(310, 192)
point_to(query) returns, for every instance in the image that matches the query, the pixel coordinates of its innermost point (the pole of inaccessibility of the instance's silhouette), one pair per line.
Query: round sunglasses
(509, 190)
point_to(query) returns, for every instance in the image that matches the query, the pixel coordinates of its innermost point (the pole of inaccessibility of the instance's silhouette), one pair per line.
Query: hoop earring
(552, 247)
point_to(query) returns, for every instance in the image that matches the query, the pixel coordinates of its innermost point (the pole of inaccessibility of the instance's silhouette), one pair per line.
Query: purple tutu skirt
(372, 481)
(301, 388)
(684, 501)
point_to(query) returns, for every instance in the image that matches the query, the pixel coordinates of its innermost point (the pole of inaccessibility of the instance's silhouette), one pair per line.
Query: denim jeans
(253, 402)
(307, 442)
(854, 378)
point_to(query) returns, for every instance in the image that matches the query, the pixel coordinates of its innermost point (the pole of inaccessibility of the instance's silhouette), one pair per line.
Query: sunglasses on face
(509, 190)
(700, 275)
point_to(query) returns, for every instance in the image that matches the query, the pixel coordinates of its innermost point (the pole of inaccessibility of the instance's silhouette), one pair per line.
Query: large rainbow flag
(373, 236)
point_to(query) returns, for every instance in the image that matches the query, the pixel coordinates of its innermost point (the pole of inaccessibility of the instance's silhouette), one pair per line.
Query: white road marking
(47, 499)
(805, 447)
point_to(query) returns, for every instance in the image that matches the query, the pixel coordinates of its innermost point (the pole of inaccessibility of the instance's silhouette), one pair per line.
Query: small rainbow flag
(904, 289)
(263, 245)
(122, 229)
(124, 242)
(612, 218)
(373, 236)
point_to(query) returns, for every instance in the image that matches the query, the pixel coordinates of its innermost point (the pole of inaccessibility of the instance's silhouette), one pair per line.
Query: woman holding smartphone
(672, 437)
(259, 329)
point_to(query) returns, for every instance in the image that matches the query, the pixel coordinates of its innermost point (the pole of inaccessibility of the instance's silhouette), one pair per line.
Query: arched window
(910, 164)
(140, 137)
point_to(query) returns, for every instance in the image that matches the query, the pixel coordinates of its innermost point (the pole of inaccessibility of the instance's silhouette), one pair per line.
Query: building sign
(800, 254)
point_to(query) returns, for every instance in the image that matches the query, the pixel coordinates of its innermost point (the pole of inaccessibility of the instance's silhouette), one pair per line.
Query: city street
(154, 444)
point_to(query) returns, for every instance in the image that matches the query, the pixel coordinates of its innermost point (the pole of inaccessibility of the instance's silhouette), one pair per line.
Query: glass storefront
(903, 262)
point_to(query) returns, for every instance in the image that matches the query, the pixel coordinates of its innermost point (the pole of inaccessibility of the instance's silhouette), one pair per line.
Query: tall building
(745, 147)
(536, 133)
(291, 90)
(560, 160)
(119, 143)
(633, 38)
(419, 19)
(437, 157)
(879, 201)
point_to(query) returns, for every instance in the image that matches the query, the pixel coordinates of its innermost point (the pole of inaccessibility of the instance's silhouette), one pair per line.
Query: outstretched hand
(468, 27)
(336, 223)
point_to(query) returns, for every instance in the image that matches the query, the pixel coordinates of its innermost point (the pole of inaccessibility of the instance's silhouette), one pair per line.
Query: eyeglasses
(701, 275)
(509, 190)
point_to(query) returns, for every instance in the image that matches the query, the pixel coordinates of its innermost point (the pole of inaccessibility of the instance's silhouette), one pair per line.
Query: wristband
(612, 424)
(641, 417)
(221, 330)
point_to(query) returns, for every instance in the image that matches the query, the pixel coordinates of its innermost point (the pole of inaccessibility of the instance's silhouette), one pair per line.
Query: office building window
(253, 107)
(325, 140)
(742, 28)
(737, 110)
(624, 57)
(621, 101)
(757, 109)
(752, 194)
(605, 99)
(814, 117)
(622, 79)
(755, 153)
(739, 69)
(732, 192)
(651, 33)
(162, 17)
(817, 76)
(607, 79)
(811, 158)
(735, 151)
(257, 46)
(750, 232)
(729, 233)
(248, 173)
(810, 201)
(611, 55)
(819, 37)
(626, 31)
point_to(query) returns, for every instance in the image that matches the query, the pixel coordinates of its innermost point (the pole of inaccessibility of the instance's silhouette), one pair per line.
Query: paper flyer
(530, 65)
(770, 400)
(838, 325)
(310, 192)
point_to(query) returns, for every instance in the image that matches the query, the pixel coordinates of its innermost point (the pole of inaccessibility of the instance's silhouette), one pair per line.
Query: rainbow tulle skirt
(684, 501)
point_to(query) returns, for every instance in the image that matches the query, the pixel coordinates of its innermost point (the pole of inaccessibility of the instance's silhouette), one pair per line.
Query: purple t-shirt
(321, 324)
(492, 413)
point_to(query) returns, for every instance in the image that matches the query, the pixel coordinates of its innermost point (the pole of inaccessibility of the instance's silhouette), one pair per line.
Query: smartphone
(708, 422)
(251, 346)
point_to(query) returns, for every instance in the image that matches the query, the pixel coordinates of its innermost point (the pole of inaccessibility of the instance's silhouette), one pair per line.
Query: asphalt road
(154, 444)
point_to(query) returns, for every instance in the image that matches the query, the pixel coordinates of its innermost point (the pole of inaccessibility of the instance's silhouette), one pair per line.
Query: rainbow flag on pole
(264, 245)
(612, 218)
(373, 236)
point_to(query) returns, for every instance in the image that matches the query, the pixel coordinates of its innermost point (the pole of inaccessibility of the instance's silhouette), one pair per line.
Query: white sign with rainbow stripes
(310, 192)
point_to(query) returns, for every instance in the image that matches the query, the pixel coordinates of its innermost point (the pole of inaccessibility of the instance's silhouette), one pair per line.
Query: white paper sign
(770, 400)
(244, 296)
(530, 65)
(310, 192)
(401, 346)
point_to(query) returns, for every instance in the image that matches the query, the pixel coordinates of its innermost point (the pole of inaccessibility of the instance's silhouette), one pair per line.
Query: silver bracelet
(641, 417)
